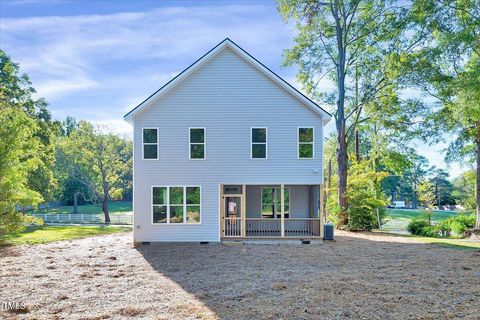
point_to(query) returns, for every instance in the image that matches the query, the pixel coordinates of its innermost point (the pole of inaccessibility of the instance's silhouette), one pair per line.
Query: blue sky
(96, 60)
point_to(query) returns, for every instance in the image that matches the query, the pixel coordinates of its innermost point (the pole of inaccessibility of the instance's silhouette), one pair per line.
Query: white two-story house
(227, 150)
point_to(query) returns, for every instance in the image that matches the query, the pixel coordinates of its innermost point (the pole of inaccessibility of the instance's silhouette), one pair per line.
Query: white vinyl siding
(227, 96)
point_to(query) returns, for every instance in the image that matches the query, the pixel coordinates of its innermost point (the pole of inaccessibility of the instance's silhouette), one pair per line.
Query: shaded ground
(360, 276)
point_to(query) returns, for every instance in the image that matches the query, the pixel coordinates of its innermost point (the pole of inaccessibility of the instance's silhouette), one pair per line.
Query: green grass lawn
(44, 234)
(398, 219)
(416, 213)
(114, 208)
(450, 243)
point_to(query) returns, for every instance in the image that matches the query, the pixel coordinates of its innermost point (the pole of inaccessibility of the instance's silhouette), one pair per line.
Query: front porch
(271, 212)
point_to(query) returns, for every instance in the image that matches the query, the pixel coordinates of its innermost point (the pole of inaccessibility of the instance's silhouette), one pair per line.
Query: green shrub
(361, 218)
(456, 224)
(444, 228)
(461, 222)
(429, 231)
(416, 226)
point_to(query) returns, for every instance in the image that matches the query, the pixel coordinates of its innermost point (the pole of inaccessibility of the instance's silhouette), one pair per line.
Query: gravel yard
(359, 276)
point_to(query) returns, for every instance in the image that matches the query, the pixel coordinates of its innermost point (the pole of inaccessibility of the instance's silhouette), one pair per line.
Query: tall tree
(18, 158)
(449, 70)
(99, 161)
(16, 92)
(443, 188)
(464, 190)
(426, 191)
(355, 43)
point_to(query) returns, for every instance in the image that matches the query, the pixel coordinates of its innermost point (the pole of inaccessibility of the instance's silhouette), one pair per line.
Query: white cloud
(61, 87)
(127, 55)
(117, 126)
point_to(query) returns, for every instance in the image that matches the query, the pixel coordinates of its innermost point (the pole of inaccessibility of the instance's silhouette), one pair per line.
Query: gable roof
(249, 58)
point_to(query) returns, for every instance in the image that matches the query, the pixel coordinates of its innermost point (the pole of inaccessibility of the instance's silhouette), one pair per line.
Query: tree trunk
(477, 224)
(105, 209)
(342, 159)
(342, 152)
(415, 199)
(357, 146)
(75, 202)
(329, 186)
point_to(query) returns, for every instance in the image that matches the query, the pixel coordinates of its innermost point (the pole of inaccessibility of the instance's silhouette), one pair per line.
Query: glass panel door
(233, 216)
(232, 207)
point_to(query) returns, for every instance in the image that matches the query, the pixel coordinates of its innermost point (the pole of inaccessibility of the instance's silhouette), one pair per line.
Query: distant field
(416, 213)
(115, 207)
(399, 218)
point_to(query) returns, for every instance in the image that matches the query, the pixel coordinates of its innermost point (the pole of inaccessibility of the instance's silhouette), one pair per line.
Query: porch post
(243, 210)
(282, 209)
(222, 212)
(321, 209)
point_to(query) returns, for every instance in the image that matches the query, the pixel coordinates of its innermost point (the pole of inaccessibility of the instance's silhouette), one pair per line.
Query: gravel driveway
(359, 276)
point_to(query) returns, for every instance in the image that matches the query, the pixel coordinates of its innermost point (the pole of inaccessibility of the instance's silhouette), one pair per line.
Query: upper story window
(305, 143)
(150, 143)
(259, 143)
(197, 143)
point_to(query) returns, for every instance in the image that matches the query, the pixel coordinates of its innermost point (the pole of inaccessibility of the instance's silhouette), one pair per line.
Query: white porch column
(321, 213)
(222, 212)
(282, 209)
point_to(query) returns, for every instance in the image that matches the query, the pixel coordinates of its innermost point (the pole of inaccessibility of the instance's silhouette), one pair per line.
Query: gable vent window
(305, 143)
(259, 143)
(197, 143)
(150, 143)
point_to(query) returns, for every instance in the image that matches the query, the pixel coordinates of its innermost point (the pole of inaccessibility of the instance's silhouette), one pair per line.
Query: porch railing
(233, 227)
(258, 227)
(302, 227)
(265, 228)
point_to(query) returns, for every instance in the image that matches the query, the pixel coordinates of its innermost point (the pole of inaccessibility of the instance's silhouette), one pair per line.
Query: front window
(160, 204)
(197, 143)
(193, 204)
(271, 202)
(176, 204)
(259, 143)
(305, 143)
(150, 143)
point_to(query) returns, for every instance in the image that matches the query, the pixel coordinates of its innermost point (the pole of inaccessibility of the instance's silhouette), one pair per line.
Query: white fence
(84, 218)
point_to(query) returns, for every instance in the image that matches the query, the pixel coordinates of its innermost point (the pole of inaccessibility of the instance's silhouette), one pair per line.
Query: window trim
(312, 143)
(274, 213)
(204, 143)
(184, 223)
(252, 143)
(151, 143)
